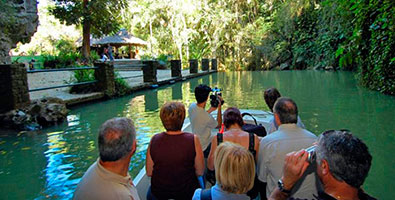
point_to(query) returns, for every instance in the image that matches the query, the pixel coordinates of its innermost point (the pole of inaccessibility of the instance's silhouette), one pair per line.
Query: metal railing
(59, 70)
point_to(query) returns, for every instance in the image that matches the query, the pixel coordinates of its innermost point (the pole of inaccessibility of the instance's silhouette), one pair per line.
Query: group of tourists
(232, 164)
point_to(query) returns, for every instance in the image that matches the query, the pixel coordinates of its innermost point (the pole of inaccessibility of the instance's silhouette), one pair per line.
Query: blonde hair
(172, 115)
(234, 168)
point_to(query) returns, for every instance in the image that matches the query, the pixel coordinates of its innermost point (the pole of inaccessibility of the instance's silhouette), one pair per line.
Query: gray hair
(116, 138)
(287, 110)
(348, 157)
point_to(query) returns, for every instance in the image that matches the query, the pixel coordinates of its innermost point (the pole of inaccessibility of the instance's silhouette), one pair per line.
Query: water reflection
(48, 164)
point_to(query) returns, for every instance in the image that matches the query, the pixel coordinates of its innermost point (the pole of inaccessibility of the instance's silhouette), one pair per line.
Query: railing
(59, 70)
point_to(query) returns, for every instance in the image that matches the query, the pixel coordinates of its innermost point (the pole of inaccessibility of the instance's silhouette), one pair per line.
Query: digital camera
(312, 155)
(214, 100)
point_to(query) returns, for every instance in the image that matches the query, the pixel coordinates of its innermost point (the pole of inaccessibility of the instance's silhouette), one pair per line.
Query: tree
(98, 17)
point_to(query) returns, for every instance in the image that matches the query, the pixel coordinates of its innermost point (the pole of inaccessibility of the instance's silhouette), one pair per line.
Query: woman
(174, 158)
(233, 123)
(235, 172)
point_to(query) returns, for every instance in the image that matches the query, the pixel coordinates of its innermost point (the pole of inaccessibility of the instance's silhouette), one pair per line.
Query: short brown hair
(271, 95)
(234, 168)
(232, 116)
(172, 115)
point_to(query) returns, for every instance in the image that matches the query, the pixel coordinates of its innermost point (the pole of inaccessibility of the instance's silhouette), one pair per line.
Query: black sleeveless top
(251, 144)
(173, 175)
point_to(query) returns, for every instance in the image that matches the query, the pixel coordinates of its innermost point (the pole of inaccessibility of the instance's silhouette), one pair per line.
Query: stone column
(149, 71)
(106, 78)
(193, 66)
(214, 64)
(175, 68)
(205, 64)
(14, 90)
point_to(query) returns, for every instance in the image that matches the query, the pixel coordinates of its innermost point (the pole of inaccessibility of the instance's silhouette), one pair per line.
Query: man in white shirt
(274, 148)
(271, 95)
(201, 120)
(108, 177)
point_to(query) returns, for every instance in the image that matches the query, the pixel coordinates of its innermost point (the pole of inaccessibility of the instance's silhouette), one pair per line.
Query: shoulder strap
(205, 194)
(251, 146)
(220, 138)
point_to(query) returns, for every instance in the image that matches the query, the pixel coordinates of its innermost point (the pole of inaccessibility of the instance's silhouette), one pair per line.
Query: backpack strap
(251, 146)
(205, 194)
(220, 138)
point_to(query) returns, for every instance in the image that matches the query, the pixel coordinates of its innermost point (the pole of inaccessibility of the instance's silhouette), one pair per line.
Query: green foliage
(121, 86)
(105, 16)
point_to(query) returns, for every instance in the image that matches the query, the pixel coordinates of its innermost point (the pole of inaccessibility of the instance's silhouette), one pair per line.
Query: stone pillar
(149, 71)
(214, 64)
(205, 64)
(193, 66)
(106, 78)
(175, 68)
(14, 90)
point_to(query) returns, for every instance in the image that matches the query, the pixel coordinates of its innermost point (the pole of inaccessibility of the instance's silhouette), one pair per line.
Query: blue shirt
(218, 194)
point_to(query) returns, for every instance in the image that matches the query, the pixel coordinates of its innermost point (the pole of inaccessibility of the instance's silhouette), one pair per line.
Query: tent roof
(119, 39)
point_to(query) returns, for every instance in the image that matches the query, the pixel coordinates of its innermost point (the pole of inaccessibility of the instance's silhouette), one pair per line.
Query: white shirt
(201, 123)
(272, 151)
(99, 183)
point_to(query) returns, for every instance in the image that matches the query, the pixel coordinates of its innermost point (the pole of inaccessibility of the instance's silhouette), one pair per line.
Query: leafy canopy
(105, 16)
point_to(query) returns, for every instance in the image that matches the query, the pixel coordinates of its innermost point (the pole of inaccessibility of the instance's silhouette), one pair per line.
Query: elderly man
(343, 162)
(271, 95)
(108, 177)
(274, 147)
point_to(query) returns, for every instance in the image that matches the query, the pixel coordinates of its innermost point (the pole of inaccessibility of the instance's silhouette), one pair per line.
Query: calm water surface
(49, 164)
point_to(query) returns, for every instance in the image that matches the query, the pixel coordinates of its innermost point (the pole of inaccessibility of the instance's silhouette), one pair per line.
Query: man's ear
(134, 147)
(324, 167)
(277, 118)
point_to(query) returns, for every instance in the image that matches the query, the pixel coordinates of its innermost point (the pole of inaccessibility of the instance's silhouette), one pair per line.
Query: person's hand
(295, 165)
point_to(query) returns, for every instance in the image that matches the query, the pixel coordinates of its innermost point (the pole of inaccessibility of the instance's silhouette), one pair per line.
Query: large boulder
(18, 23)
(40, 113)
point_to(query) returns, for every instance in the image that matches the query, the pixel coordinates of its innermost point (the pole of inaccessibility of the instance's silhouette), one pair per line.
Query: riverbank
(136, 83)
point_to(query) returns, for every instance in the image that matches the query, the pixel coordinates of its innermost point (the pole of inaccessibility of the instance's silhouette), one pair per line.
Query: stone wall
(175, 68)
(13, 87)
(205, 64)
(106, 78)
(193, 66)
(18, 23)
(149, 71)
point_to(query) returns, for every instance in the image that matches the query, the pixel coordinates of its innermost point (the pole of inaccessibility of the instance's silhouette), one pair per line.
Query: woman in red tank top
(174, 158)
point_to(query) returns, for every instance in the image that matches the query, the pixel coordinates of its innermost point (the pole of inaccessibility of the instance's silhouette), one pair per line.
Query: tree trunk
(86, 33)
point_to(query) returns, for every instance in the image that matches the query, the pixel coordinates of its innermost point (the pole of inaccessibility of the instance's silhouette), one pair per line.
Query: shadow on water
(48, 164)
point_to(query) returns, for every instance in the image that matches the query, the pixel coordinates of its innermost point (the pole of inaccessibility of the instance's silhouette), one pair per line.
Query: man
(271, 95)
(274, 147)
(108, 177)
(201, 121)
(343, 162)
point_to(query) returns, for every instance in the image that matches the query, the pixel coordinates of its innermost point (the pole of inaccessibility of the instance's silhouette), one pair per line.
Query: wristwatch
(281, 187)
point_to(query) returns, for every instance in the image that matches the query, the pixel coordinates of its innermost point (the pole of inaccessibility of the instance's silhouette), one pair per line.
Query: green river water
(49, 164)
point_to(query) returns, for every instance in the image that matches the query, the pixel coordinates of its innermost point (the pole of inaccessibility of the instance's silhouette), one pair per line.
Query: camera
(312, 155)
(214, 100)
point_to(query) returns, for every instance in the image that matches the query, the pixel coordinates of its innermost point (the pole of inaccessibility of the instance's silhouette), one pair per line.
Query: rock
(284, 66)
(328, 68)
(22, 19)
(42, 112)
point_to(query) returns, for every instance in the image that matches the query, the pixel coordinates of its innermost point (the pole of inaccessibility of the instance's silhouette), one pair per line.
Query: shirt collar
(287, 127)
(109, 175)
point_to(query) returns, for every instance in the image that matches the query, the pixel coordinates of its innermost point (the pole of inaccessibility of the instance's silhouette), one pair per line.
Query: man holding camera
(201, 120)
(343, 162)
(274, 147)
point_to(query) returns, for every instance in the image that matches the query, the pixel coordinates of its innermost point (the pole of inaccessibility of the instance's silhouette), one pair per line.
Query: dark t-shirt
(173, 175)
